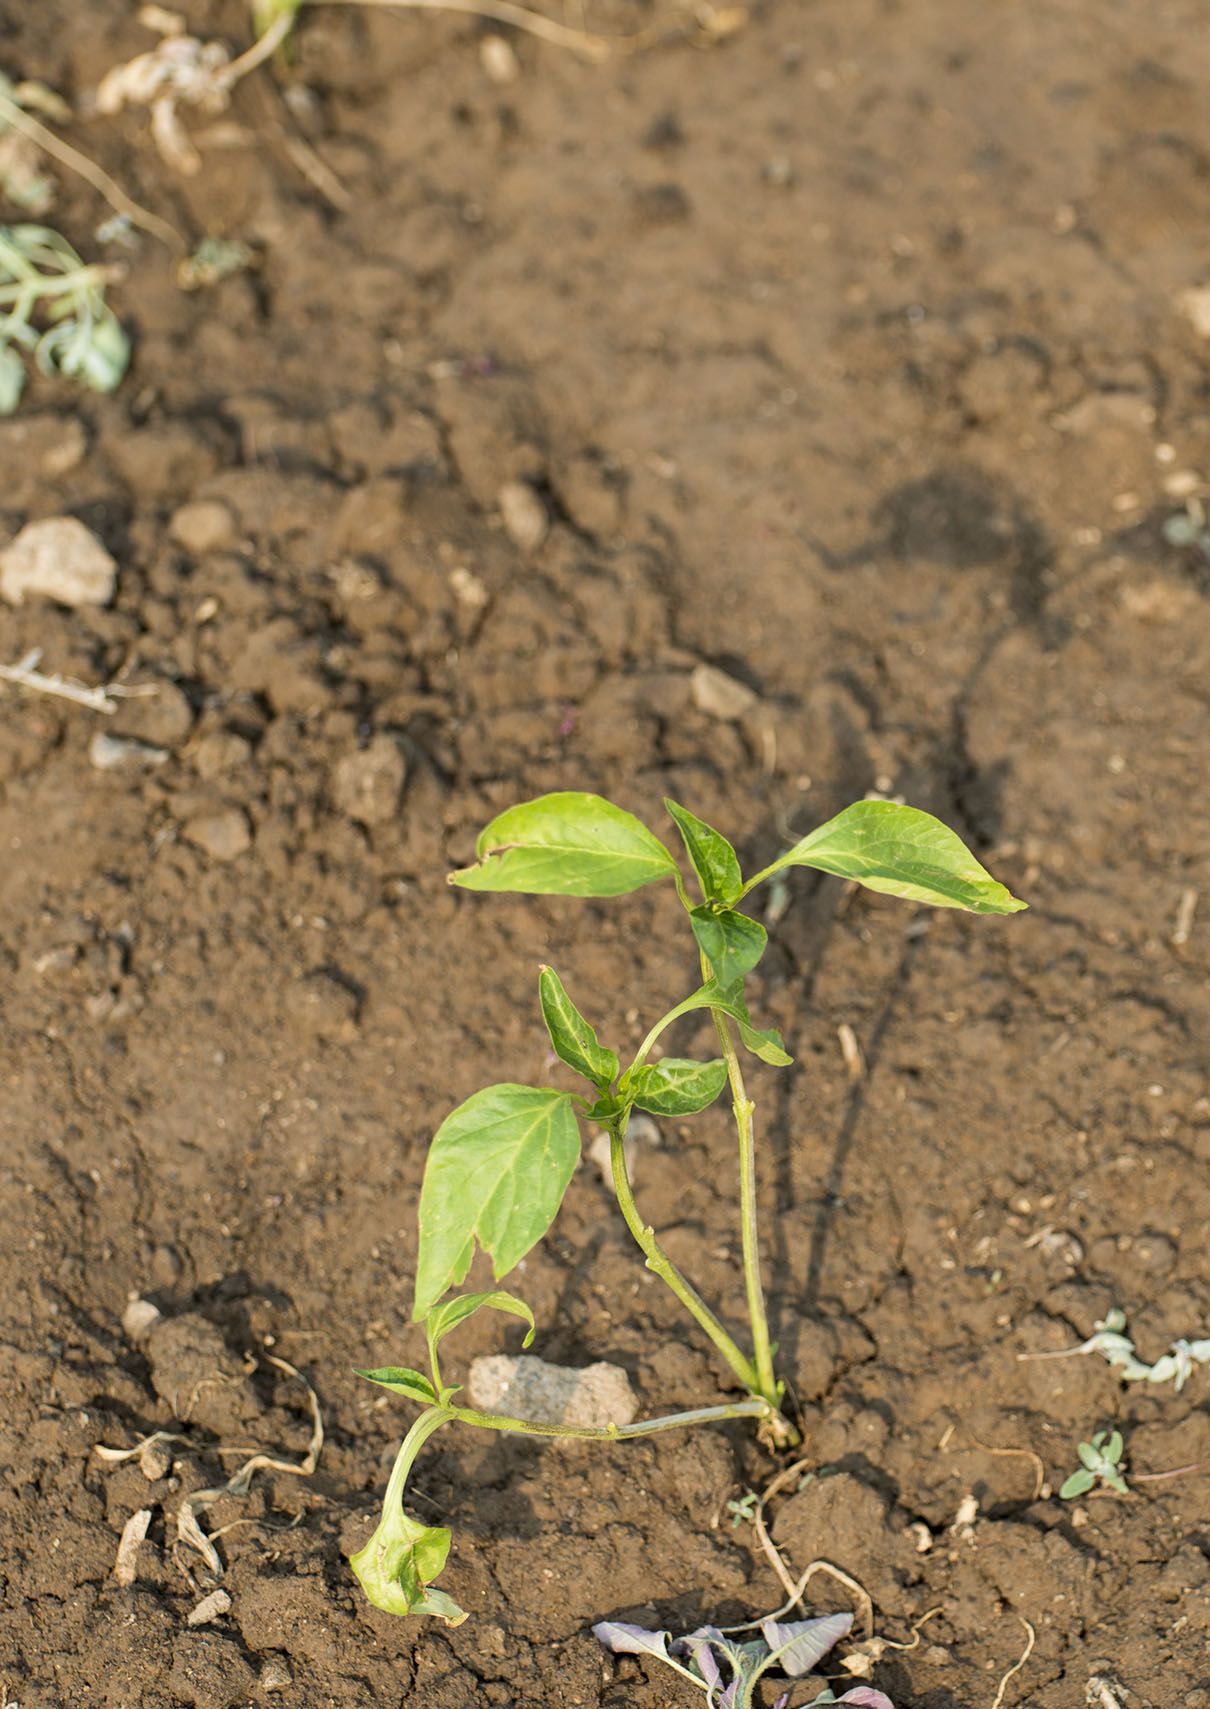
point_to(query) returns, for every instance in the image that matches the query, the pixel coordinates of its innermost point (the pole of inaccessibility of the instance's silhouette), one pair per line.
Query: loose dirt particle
(209, 1608)
(367, 785)
(523, 514)
(205, 525)
(719, 695)
(223, 836)
(532, 1389)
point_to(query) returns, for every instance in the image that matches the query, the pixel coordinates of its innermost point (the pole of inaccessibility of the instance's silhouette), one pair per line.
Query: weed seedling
(1112, 1342)
(77, 333)
(1100, 1463)
(728, 1670)
(499, 1165)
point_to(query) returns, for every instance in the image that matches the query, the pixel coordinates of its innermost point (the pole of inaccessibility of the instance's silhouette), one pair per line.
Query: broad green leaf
(675, 1087)
(450, 1313)
(398, 1564)
(901, 852)
(714, 860)
(1079, 1483)
(497, 1170)
(730, 942)
(765, 1044)
(568, 844)
(574, 1040)
(400, 1380)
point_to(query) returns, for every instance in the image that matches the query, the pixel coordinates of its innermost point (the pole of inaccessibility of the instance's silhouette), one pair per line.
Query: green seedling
(1100, 1463)
(499, 1165)
(52, 306)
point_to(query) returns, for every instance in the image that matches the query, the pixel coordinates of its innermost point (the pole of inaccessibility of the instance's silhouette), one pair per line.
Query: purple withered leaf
(730, 1697)
(696, 1645)
(625, 1639)
(865, 1694)
(801, 1644)
(782, 1701)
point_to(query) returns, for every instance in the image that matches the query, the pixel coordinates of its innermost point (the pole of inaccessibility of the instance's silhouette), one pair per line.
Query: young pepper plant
(500, 1163)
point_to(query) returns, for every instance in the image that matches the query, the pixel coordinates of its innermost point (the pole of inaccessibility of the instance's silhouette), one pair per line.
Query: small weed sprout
(728, 1671)
(1111, 1341)
(52, 306)
(1100, 1463)
(499, 1165)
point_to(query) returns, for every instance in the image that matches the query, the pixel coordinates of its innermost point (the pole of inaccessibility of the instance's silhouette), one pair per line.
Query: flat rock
(367, 785)
(523, 514)
(223, 836)
(57, 559)
(203, 525)
(719, 695)
(529, 1388)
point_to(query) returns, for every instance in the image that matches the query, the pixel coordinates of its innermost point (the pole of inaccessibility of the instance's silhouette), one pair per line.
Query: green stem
(744, 1108)
(60, 285)
(753, 1408)
(662, 1266)
(430, 1420)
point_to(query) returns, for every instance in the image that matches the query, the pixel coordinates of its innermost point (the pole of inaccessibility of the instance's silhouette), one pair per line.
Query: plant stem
(752, 1408)
(666, 1270)
(430, 1420)
(744, 1108)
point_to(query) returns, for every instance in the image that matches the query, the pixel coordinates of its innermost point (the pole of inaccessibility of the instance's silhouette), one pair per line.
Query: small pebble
(209, 1608)
(499, 60)
(204, 525)
(532, 1389)
(125, 1568)
(367, 785)
(524, 515)
(58, 559)
(276, 1675)
(719, 695)
(223, 836)
(122, 753)
(139, 1319)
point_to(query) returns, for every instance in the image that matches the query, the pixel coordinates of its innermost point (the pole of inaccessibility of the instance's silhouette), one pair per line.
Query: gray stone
(529, 1388)
(121, 753)
(719, 695)
(367, 785)
(57, 559)
(222, 836)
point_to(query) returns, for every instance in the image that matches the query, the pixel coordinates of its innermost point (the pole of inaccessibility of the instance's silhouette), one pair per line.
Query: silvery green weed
(53, 309)
(1112, 1342)
(1100, 1463)
(499, 1164)
(728, 1669)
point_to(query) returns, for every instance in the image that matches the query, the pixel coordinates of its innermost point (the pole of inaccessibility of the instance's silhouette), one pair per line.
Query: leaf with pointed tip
(627, 1640)
(574, 1041)
(798, 1645)
(766, 1045)
(496, 1172)
(860, 1694)
(676, 1087)
(714, 860)
(450, 1313)
(901, 852)
(566, 844)
(730, 942)
(400, 1380)
(398, 1563)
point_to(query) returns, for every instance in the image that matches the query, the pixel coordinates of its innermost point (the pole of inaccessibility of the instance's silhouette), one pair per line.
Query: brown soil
(849, 356)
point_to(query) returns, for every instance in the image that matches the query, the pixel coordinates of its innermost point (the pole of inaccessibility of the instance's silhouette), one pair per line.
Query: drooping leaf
(799, 1645)
(676, 1087)
(901, 852)
(398, 1564)
(400, 1380)
(574, 1041)
(731, 942)
(496, 1172)
(698, 1646)
(766, 1045)
(566, 844)
(627, 1640)
(450, 1313)
(860, 1694)
(714, 860)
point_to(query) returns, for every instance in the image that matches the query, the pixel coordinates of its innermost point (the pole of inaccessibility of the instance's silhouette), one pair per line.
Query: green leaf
(574, 1041)
(399, 1562)
(568, 844)
(901, 852)
(400, 1380)
(497, 1170)
(766, 1044)
(450, 1313)
(731, 942)
(1079, 1483)
(713, 858)
(676, 1088)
